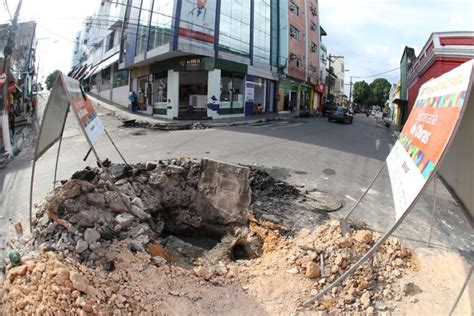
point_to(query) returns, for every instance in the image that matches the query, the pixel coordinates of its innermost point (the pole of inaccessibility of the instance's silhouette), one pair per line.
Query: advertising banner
(426, 135)
(84, 109)
(197, 22)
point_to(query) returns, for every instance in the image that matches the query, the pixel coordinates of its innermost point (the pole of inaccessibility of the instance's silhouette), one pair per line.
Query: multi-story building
(300, 79)
(442, 52)
(322, 89)
(204, 58)
(20, 77)
(338, 88)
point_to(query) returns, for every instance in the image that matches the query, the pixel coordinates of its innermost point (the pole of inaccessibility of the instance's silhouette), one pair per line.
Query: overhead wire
(5, 3)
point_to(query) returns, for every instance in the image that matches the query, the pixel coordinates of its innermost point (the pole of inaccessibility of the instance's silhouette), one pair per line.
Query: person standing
(133, 100)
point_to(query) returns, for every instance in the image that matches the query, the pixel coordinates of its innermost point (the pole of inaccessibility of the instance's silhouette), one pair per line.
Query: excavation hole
(201, 241)
(243, 251)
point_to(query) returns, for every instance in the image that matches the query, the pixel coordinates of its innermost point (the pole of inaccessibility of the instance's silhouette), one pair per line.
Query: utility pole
(7, 52)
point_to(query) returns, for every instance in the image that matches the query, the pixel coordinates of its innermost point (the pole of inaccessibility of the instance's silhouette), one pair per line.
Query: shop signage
(427, 134)
(191, 64)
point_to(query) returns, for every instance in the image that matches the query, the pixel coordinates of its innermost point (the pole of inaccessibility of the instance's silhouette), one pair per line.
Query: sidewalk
(126, 115)
(17, 141)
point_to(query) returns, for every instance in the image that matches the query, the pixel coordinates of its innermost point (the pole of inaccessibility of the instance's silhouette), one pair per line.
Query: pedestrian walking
(11, 114)
(133, 100)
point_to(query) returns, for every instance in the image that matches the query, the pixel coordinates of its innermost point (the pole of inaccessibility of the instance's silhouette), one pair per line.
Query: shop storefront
(305, 97)
(202, 87)
(288, 96)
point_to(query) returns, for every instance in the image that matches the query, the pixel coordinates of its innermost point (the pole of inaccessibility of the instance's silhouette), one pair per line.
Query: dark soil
(163, 127)
(264, 185)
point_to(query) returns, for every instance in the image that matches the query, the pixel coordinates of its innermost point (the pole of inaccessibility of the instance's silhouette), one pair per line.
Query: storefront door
(192, 93)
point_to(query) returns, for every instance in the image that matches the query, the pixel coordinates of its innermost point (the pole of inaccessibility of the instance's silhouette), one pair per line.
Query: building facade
(20, 80)
(442, 52)
(203, 59)
(300, 79)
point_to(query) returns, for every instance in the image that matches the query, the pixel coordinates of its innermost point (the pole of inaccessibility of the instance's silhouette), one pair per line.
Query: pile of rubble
(127, 237)
(315, 258)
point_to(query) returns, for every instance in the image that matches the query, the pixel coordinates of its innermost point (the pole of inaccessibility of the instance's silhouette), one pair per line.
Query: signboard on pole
(427, 135)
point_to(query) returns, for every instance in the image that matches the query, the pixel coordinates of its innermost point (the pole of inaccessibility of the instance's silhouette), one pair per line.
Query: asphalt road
(332, 157)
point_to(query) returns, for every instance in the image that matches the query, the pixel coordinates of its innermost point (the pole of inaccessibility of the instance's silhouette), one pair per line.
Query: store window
(160, 28)
(160, 96)
(105, 79)
(232, 93)
(120, 77)
(160, 82)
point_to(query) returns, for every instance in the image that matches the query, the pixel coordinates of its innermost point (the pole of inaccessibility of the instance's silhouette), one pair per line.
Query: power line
(5, 2)
(376, 75)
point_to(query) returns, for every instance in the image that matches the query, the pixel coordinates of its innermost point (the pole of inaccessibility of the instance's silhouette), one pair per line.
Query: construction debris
(163, 126)
(185, 235)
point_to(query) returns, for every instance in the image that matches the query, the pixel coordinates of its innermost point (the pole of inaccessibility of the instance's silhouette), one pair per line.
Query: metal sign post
(462, 291)
(433, 212)
(365, 192)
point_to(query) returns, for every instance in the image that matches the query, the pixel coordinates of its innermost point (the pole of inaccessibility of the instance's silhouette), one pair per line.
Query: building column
(213, 90)
(173, 94)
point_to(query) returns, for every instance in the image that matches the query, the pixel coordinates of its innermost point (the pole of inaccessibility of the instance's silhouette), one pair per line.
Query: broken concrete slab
(224, 193)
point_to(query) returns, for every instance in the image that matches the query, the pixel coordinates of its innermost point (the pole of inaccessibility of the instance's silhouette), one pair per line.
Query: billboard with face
(197, 24)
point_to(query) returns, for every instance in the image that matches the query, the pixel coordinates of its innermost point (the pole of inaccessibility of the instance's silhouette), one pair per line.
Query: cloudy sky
(370, 33)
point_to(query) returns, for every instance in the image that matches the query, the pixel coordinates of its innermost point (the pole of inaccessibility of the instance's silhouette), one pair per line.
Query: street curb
(122, 113)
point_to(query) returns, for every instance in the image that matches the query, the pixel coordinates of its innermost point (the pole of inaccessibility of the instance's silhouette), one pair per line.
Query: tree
(51, 79)
(379, 91)
(361, 92)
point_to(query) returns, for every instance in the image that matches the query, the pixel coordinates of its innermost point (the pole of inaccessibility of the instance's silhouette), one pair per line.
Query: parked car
(329, 106)
(341, 114)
